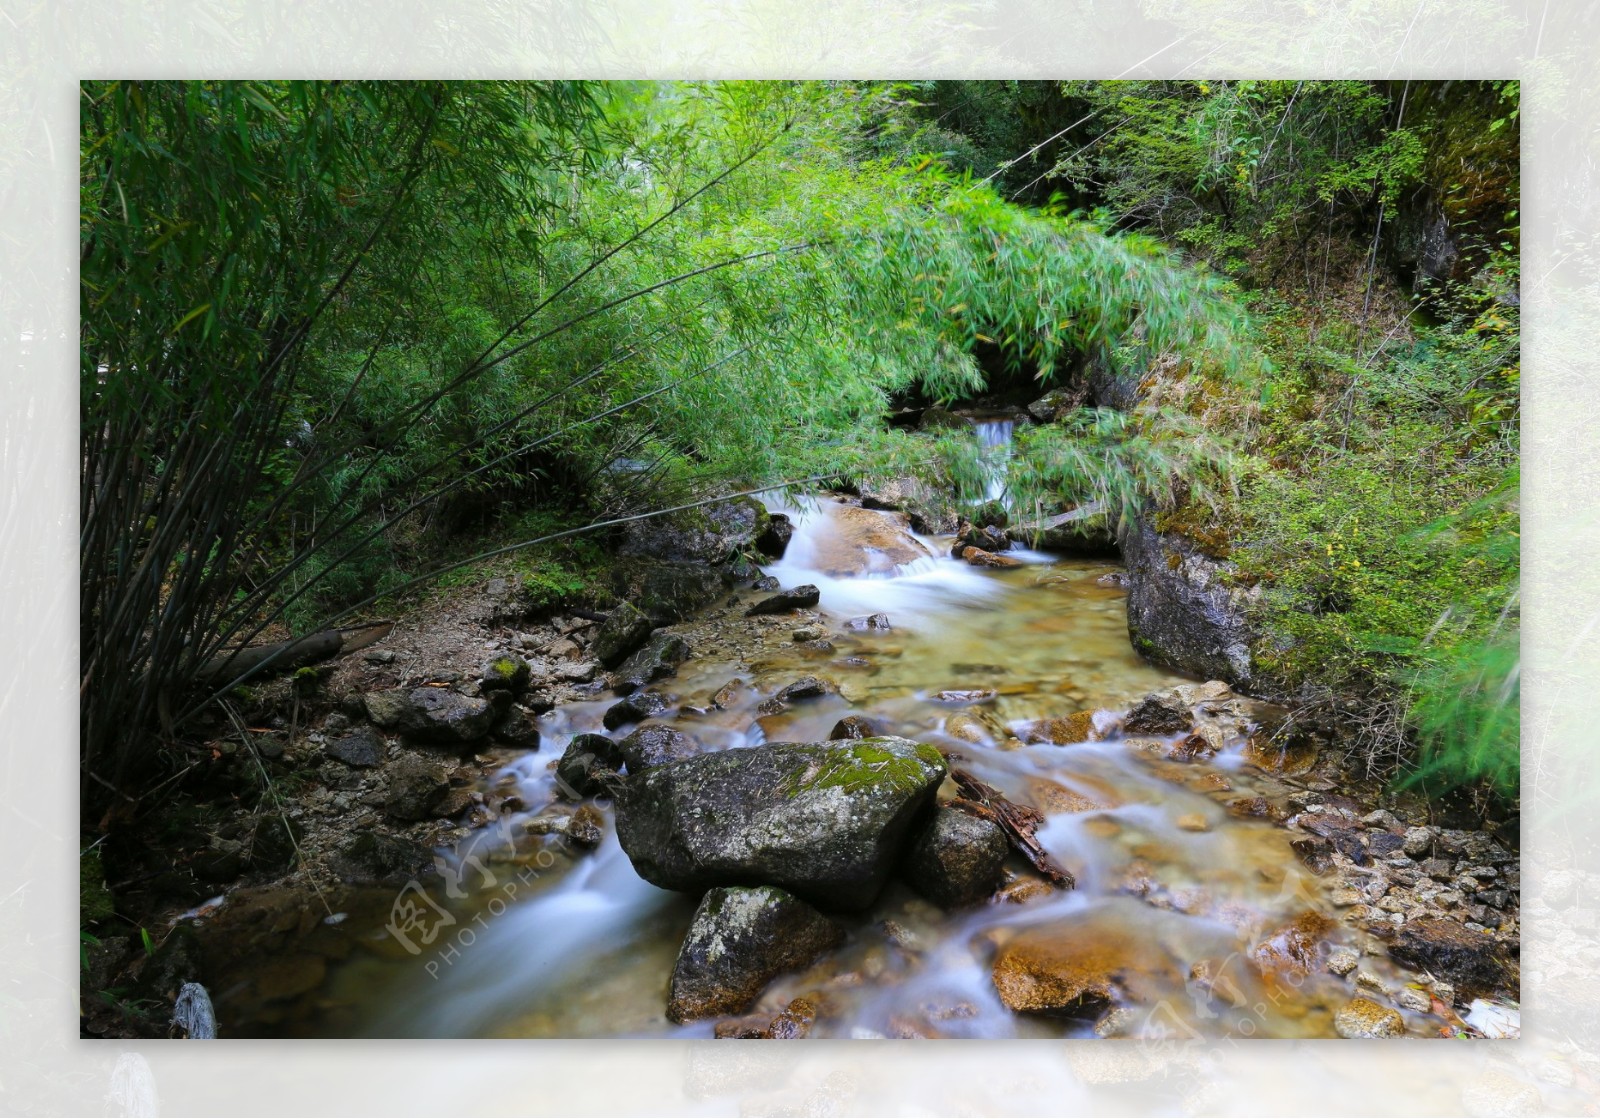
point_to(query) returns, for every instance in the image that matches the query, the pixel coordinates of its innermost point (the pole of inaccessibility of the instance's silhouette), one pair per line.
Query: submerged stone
(1362, 1018)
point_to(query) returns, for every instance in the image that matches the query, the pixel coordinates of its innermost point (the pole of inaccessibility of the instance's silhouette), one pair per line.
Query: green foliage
(1382, 525)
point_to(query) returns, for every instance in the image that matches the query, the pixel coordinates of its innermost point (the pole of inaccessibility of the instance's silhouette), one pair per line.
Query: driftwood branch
(1018, 821)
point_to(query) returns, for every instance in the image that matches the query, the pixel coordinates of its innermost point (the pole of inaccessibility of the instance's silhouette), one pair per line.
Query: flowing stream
(1179, 889)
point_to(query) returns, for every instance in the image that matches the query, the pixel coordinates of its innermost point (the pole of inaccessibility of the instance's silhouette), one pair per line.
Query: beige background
(47, 45)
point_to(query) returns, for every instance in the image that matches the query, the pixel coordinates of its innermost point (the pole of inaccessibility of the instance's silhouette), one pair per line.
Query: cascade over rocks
(919, 500)
(825, 820)
(867, 542)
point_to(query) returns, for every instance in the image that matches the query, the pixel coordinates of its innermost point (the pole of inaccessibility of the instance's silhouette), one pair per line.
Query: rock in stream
(825, 820)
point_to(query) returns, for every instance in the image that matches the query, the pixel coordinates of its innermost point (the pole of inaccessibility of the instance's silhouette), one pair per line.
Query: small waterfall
(192, 1013)
(995, 438)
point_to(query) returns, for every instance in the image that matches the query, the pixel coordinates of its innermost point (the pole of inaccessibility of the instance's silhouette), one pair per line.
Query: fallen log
(286, 656)
(1081, 513)
(1018, 821)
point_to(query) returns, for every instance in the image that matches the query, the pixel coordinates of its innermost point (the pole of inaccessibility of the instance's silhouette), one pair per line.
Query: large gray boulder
(740, 940)
(623, 631)
(434, 715)
(1182, 611)
(668, 593)
(708, 534)
(920, 500)
(825, 820)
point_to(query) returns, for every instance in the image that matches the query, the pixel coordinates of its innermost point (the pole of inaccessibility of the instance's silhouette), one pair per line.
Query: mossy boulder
(825, 820)
(740, 940)
(506, 674)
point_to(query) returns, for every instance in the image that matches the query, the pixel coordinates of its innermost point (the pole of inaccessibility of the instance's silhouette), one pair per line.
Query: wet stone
(783, 602)
(955, 859)
(807, 687)
(432, 715)
(878, 622)
(591, 763)
(624, 630)
(1065, 730)
(741, 939)
(1342, 961)
(1446, 948)
(518, 728)
(653, 745)
(635, 709)
(826, 820)
(1363, 1018)
(659, 657)
(415, 788)
(854, 726)
(1161, 713)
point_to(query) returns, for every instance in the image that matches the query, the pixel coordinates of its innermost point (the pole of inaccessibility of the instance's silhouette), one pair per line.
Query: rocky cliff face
(1181, 611)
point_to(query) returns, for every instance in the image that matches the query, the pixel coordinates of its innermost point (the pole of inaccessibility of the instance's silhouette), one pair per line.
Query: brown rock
(1021, 889)
(867, 541)
(1292, 949)
(1449, 950)
(1054, 799)
(1161, 713)
(854, 726)
(1292, 756)
(1363, 1018)
(1062, 731)
(1074, 970)
(977, 557)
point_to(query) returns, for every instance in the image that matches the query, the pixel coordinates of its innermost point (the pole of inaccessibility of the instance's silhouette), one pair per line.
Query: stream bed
(1208, 921)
